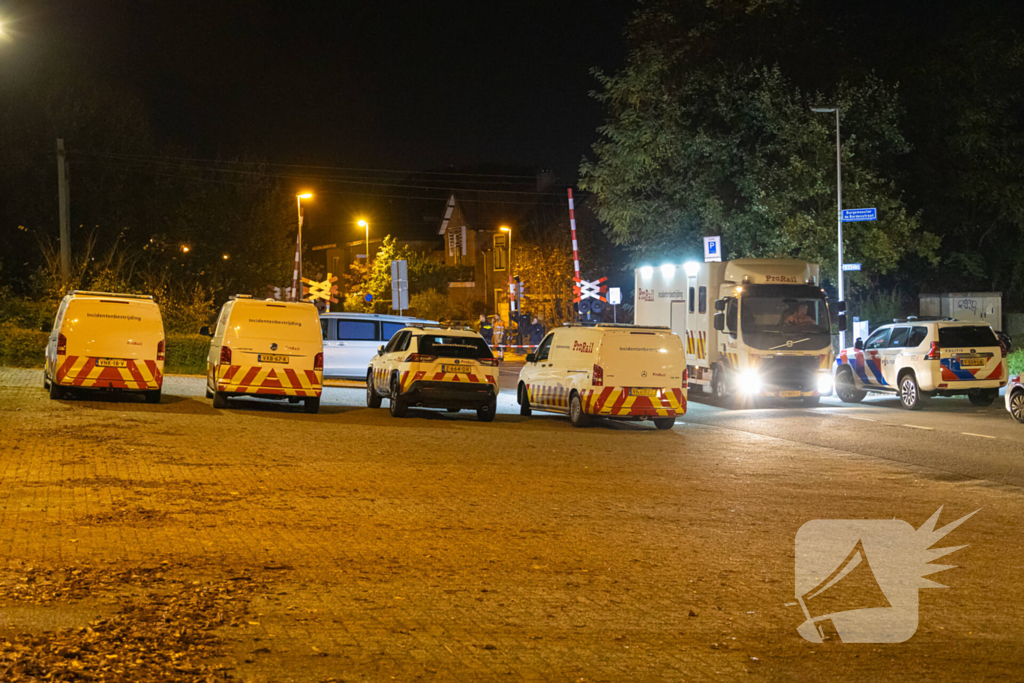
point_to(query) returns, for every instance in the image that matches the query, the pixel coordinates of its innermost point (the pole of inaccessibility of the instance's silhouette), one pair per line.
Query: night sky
(396, 85)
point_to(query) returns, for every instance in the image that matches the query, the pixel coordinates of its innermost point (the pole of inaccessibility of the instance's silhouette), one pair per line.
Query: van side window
(702, 304)
(691, 298)
(898, 338)
(222, 319)
(388, 330)
(357, 330)
(323, 327)
(545, 347)
(917, 335)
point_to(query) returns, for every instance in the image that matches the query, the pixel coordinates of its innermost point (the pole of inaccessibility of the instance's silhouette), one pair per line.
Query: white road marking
(983, 436)
(865, 419)
(930, 429)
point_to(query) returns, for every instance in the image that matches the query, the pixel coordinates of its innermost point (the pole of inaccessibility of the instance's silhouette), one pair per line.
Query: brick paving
(439, 548)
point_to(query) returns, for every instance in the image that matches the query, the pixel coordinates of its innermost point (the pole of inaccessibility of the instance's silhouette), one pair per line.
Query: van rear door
(274, 335)
(969, 352)
(112, 329)
(642, 359)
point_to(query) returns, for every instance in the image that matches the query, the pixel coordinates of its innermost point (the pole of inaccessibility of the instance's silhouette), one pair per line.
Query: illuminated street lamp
(839, 201)
(184, 249)
(297, 273)
(363, 224)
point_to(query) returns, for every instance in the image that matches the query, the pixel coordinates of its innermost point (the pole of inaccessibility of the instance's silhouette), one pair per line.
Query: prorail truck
(751, 327)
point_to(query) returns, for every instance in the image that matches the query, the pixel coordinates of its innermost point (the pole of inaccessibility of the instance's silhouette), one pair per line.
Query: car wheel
(373, 399)
(664, 422)
(153, 396)
(485, 413)
(46, 381)
(846, 389)
(55, 391)
(524, 401)
(983, 398)
(577, 417)
(720, 389)
(398, 406)
(911, 397)
(311, 405)
(1017, 405)
(209, 394)
(220, 399)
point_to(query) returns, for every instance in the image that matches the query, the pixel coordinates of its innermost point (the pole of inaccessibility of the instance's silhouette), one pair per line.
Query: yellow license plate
(271, 358)
(643, 392)
(789, 394)
(111, 363)
(458, 369)
(972, 362)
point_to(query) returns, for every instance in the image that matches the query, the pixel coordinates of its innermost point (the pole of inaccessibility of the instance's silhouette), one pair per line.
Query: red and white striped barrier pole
(575, 248)
(298, 254)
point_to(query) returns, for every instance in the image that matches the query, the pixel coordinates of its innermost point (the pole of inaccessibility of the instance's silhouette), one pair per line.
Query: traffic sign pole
(839, 201)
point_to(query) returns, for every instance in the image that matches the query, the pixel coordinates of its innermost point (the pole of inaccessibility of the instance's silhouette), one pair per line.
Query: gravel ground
(260, 543)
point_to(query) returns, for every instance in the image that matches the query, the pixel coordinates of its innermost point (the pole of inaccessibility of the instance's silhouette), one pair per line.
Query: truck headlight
(824, 383)
(749, 382)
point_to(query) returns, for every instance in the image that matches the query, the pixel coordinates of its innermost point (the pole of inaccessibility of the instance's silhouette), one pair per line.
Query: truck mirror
(205, 331)
(859, 344)
(46, 327)
(719, 319)
(531, 358)
(719, 305)
(841, 321)
(840, 306)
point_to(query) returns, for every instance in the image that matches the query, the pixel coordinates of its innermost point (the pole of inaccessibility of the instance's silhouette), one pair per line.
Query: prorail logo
(645, 294)
(583, 347)
(785, 279)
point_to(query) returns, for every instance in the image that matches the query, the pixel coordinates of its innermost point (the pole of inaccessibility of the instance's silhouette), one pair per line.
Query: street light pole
(511, 292)
(364, 224)
(297, 273)
(839, 202)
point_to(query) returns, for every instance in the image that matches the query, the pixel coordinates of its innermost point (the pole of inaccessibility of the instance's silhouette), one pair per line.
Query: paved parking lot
(352, 546)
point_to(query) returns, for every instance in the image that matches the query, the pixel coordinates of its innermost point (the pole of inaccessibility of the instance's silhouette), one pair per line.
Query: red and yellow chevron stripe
(616, 402)
(549, 396)
(697, 345)
(381, 378)
(82, 371)
(262, 379)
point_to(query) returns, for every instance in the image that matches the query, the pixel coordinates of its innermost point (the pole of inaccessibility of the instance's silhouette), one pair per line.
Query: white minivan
(351, 340)
(622, 372)
(106, 341)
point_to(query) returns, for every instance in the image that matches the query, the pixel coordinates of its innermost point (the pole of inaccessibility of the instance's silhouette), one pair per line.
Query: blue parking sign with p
(713, 248)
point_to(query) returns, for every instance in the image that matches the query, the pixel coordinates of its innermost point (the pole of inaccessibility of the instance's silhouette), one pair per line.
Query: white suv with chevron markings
(434, 367)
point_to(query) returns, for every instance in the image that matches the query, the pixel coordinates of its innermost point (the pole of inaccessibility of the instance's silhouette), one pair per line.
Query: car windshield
(967, 335)
(765, 310)
(451, 346)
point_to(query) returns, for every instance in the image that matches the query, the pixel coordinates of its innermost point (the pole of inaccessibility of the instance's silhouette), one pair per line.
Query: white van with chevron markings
(622, 372)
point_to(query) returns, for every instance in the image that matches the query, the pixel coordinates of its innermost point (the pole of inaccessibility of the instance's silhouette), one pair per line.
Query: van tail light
(493, 362)
(225, 355)
(686, 377)
(318, 361)
(598, 380)
(62, 345)
(1002, 347)
(933, 352)
(420, 358)
(160, 350)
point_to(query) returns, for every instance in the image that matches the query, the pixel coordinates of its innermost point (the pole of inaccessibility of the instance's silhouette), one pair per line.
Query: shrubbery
(21, 347)
(186, 354)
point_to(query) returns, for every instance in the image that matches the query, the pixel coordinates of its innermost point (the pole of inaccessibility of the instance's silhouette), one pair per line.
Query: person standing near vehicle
(486, 329)
(499, 336)
(536, 332)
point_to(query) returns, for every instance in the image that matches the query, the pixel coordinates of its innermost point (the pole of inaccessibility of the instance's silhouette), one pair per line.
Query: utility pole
(839, 201)
(65, 220)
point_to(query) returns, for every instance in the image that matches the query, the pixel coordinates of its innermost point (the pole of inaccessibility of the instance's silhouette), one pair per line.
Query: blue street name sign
(851, 266)
(854, 215)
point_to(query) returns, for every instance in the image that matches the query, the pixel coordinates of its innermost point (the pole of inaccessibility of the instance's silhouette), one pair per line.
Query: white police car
(917, 358)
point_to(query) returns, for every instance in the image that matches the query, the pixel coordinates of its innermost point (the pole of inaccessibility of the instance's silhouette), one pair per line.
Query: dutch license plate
(271, 358)
(457, 369)
(643, 392)
(111, 363)
(972, 362)
(789, 394)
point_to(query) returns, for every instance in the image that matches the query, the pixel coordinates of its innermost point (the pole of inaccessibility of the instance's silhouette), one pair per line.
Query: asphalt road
(949, 435)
